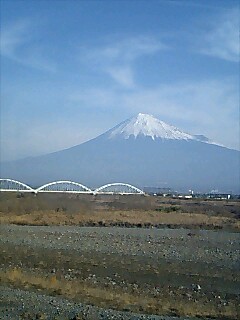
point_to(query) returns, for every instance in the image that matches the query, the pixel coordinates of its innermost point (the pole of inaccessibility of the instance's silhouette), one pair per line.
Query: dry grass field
(133, 218)
(127, 211)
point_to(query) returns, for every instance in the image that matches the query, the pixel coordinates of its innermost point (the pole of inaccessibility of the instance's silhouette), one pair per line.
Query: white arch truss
(64, 186)
(14, 185)
(119, 188)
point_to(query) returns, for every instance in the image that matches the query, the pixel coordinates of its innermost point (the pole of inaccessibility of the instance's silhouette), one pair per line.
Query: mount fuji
(143, 151)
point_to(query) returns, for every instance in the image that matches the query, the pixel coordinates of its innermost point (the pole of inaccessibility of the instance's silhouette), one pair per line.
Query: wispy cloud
(117, 58)
(13, 37)
(20, 44)
(122, 74)
(131, 48)
(221, 39)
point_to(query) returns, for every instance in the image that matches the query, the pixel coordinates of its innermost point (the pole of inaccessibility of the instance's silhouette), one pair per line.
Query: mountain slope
(143, 151)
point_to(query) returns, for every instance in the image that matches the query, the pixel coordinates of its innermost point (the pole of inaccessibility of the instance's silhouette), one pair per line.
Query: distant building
(158, 191)
(220, 196)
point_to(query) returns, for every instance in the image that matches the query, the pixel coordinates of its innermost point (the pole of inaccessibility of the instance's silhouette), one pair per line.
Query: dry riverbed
(85, 257)
(70, 272)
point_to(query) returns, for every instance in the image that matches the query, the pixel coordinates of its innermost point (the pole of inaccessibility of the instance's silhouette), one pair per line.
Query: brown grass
(116, 217)
(62, 209)
(105, 297)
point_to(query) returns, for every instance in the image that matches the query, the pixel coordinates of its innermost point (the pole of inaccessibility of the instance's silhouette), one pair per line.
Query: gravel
(220, 249)
(28, 305)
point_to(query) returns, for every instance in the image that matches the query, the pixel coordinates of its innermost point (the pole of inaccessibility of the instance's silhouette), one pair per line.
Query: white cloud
(130, 49)
(222, 37)
(123, 75)
(117, 58)
(13, 37)
(18, 43)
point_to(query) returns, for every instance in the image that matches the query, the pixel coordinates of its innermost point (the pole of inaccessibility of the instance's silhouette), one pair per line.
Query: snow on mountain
(147, 125)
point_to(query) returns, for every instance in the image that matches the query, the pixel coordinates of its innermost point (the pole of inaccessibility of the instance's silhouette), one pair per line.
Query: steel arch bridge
(13, 185)
(64, 186)
(69, 187)
(118, 188)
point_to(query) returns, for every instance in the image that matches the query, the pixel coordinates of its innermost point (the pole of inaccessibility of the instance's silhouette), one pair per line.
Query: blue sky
(71, 70)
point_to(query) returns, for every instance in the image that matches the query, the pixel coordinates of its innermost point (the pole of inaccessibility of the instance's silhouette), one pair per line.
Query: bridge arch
(14, 185)
(118, 188)
(64, 186)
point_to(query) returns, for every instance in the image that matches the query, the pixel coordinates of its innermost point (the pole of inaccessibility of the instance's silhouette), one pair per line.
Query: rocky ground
(70, 272)
(19, 304)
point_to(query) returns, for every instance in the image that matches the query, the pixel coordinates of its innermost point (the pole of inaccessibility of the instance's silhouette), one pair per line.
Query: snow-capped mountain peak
(147, 125)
